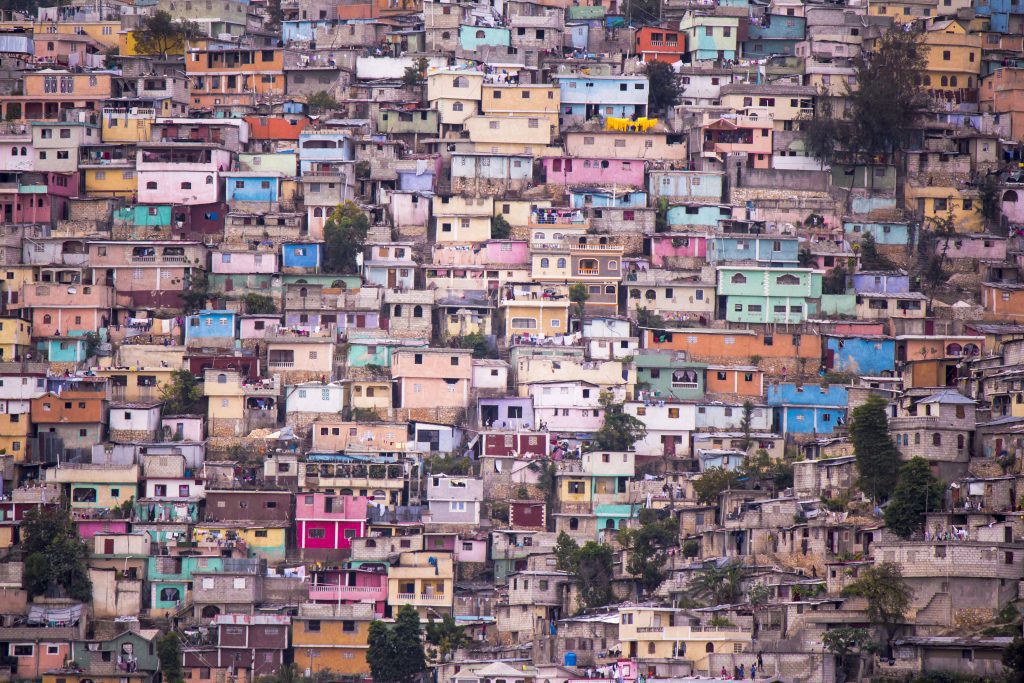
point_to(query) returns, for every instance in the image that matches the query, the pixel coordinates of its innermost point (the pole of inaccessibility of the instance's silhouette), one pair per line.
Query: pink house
(670, 245)
(978, 246)
(258, 326)
(577, 171)
(432, 378)
(367, 584)
(326, 522)
(87, 528)
(240, 261)
(495, 252)
(184, 173)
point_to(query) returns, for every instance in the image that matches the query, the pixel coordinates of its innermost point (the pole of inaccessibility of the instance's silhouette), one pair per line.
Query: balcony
(423, 598)
(589, 271)
(650, 629)
(352, 593)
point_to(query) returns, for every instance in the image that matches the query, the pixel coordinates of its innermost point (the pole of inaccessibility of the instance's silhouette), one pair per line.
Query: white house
(315, 397)
(727, 416)
(490, 373)
(134, 421)
(669, 426)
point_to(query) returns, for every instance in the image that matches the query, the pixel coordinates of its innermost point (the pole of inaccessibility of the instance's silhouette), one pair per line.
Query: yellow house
(462, 219)
(536, 316)
(902, 11)
(136, 383)
(265, 540)
(938, 202)
(115, 179)
(455, 94)
(504, 134)
(370, 394)
(519, 212)
(15, 338)
(14, 433)
(127, 124)
(954, 58)
(522, 100)
(332, 638)
(106, 33)
(424, 580)
(667, 633)
(783, 104)
(96, 487)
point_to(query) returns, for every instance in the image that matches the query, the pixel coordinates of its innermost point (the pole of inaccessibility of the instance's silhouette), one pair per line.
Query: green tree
(877, 457)
(322, 102)
(395, 653)
(887, 594)
(723, 585)
(258, 304)
(160, 34)
(620, 431)
(1013, 659)
(746, 424)
(416, 74)
(804, 258)
(834, 281)
(647, 318)
(594, 573)
(640, 12)
(440, 464)
(195, 296)
(344, 236)
(763, 468)
(482, 348)
(662, 87)
(934, 246)
(648, 547)
(882, 108)
(712, 483)
(447, 636)
(989, 192)
(566, 550)
(661, 217)
(578, 295)
(849, 644)
(55, 555)
(183, 394)
(870, 259)
(917, 492)
(500, 228)
(168, 651)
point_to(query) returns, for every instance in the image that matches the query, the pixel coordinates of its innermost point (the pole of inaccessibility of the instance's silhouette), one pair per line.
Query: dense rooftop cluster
(511, 342)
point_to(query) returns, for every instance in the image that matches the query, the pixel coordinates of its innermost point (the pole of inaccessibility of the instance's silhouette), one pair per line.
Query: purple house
(666, 246)
(577, 171)
(507, 412)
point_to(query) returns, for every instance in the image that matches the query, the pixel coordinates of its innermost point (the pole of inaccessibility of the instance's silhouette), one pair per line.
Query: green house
(747, 294)
(669, 376)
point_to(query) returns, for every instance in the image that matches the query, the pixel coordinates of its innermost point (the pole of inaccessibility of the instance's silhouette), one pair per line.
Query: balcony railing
(590, 271)
(434, 599)
(650, 629)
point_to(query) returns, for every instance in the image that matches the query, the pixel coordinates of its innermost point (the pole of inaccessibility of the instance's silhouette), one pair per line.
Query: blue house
(474, 38)
(998, 12)
(210, 325)
(866, 356)
(304, 30)
(772, 250)
(881, 282)
(412, 181)
(585, 97)
(506, 412)
(773, 34)
(63, 349)
(248, 186)
(594, 196)
(807, 408)
(895, 234)
(702, 186)
(704, 215)
(323, 147)
(300, 255)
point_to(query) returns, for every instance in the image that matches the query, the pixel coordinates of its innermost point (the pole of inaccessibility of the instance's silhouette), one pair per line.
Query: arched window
(561, 263)
(613, 265)
(457, 106)
(47, 319)
(209, 180)
(151, 185)
(462, 81)
(24, 152)
(650, 647)
(574, 523)
(634, 294)
(971, 350)
(303, 292)
(927, 80)
(954, 350)
(318, 212)
(650, 295)
(417, 312)
(14, 151)
(952, 82)
(398, 310)
(917, 439)
(222, 378)
(710, 647)
(186, 185)
(787, 279)
(936, 439)
(944, 82)
(738, 279)
(544, 263)
(538, 235)
(480, 34)
(960, 441)
(447, 35)
(610, 289)
(1010, 196)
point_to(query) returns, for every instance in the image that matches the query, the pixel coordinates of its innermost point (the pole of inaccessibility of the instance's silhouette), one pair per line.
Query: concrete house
(454, 500)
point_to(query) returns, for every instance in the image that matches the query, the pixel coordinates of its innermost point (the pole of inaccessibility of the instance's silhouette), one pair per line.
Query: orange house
(729, 346)
(276, 127)
(234, 76)
(741, 380)
(1002, 301)
(76, 407)
(660, 44)
(47, 92)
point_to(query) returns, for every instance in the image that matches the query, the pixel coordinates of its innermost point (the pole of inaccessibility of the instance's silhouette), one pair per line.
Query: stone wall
(130, 435)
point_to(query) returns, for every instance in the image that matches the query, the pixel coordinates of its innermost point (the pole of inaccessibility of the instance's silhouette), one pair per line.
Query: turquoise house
(170, 577)
(145, 216)
(702, 215)
(892, 234)
(474, 38)
(774, 250)
(63, 349)
(611, 517)
(666, 376)
(748, 294)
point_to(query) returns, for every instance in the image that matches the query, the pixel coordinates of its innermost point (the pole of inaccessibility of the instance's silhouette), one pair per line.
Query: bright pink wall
(662, 247)
(622, 171)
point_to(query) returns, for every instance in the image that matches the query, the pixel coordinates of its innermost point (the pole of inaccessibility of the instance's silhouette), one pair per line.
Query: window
(313, 626)
(24, 650)
(316, 533)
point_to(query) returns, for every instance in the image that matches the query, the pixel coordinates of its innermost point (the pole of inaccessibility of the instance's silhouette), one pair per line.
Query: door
(360, 321)
(392, 279)
(669, 445)
(108, 546)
